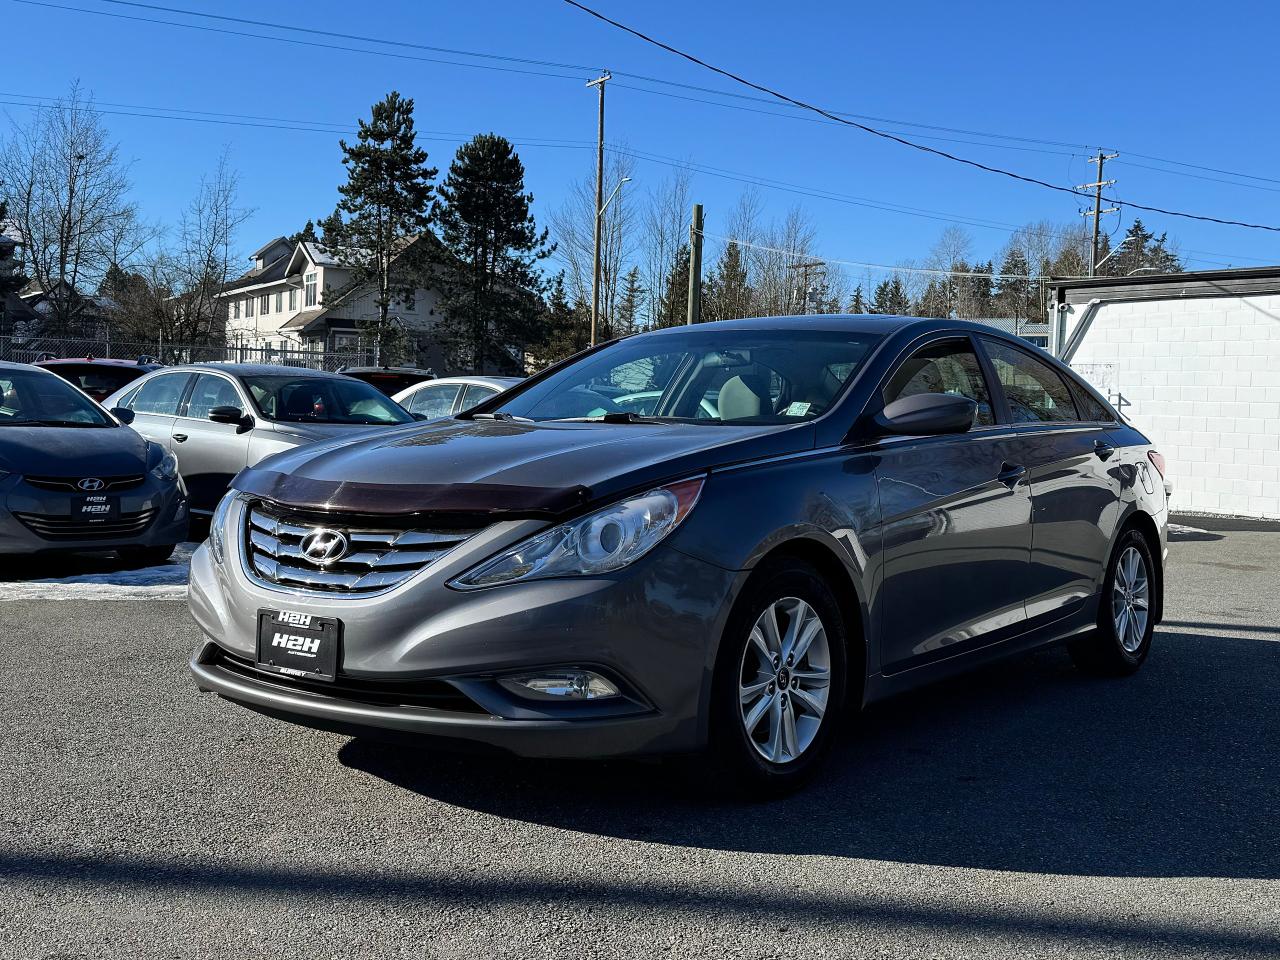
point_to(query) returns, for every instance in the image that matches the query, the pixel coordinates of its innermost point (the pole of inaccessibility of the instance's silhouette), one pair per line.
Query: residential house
(296, 297)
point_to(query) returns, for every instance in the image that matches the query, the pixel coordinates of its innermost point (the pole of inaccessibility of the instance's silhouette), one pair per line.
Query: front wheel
(780, 679)
(1125, 622)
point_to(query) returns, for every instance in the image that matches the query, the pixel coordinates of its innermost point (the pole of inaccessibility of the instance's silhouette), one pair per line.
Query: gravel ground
(1024, 811)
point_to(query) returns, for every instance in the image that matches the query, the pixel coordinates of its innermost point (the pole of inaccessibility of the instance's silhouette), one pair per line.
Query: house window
(248, 306)
(309, 282)
(235, 310)
(279, 301)
(293, 298)
(264, 304)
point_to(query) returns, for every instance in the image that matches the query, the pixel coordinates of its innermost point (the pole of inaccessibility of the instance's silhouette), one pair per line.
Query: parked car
(221, 418)
(878, 502)
(390, 380)
(99, 377)
(448, 395)
(74, 477)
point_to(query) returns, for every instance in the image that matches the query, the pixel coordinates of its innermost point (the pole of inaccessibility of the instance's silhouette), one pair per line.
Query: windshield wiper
(504, 417)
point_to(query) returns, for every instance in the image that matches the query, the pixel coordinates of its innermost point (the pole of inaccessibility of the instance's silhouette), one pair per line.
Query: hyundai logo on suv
(91, 484)
(323, 546)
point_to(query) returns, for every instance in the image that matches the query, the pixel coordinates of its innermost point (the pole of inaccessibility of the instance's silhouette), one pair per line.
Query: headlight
(602, 541)
(167, 468)
(218, 525)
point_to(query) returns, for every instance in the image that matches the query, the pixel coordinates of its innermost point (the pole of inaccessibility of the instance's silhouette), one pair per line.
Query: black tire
(737, 764)
(146, 556)
(1103, 652)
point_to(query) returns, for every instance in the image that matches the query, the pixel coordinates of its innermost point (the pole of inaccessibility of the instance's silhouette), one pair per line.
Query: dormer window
(309, 287)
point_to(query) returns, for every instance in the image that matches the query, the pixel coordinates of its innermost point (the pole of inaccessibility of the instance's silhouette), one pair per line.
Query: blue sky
(1195, 84)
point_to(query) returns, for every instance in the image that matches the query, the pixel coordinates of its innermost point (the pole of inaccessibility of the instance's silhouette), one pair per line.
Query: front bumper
(652, 627)
(162, 504)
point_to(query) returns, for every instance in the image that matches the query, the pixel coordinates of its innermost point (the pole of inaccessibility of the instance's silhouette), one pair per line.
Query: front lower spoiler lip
(562, 738)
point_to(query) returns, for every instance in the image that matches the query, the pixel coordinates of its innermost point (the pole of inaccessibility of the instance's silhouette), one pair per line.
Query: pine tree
(891, 298)
(629, 305)
(306, 235)
(728, 291)
(566, 326)
(673, 308)
(858, 303)
(1013, 290)
(935, 301)
(385, 206)
(491, 290)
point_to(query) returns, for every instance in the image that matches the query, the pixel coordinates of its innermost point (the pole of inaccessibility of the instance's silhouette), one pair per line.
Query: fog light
(561, 685)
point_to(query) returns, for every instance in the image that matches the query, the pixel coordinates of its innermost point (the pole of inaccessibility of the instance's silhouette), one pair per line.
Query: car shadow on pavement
(1025, 766)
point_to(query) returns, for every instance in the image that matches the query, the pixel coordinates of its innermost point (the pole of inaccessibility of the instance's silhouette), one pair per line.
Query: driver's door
(956, 520)
(209, 454)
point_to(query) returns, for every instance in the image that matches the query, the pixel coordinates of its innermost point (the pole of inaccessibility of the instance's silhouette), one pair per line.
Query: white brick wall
(1203, 378)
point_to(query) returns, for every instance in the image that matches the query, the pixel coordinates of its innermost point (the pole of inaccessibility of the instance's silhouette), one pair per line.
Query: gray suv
(220, 418)
(876, 502)
(74, 477)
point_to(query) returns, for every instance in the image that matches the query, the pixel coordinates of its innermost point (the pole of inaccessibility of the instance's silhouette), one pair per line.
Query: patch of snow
(1183, 528)
(166, 581)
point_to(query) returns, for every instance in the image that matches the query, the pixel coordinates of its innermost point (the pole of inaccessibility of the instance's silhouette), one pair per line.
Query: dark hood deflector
(491, 499)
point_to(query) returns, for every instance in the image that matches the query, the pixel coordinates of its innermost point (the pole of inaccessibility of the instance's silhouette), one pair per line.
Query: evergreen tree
(728, 291)
(566, 326)
(891, 298)
(490, 286)
(935, 301)
(306, 235)
(385, 206)
(1141, 250)
(673, 307)
(630, 304)
(1014, 292)
(858, 303)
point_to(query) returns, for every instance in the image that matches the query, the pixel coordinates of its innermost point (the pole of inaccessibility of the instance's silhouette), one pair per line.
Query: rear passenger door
(155, 406)
(1075, 490)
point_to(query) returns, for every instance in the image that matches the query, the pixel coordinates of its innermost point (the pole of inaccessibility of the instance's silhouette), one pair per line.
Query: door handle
(1102, 449)
(1011, 474)
(179, 437)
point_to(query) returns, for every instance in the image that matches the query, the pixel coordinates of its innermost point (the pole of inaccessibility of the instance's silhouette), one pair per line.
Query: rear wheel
(1125, 612)
(780, 680)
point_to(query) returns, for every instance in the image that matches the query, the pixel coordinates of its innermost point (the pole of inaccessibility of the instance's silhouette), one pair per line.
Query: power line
(1035, 181)
(529, 61)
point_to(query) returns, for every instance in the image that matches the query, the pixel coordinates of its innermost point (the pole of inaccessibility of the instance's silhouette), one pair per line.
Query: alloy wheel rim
(1130, 599)
(785, 680)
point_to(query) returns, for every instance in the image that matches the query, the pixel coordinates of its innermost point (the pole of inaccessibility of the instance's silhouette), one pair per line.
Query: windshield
(303, 399)
(702, 376)
(35, 397)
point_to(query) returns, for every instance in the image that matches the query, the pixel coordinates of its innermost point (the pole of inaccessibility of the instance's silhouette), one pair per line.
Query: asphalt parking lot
(1024, 811)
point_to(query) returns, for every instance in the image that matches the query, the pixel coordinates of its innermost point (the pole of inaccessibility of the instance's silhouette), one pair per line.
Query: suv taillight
(1157, 461)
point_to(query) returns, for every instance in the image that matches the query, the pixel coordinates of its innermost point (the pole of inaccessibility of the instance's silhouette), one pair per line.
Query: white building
(1194, 360)
(292, 299)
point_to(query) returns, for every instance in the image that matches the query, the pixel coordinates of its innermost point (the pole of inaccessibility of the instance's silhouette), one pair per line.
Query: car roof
(10, 365)
(502, 382)
(113, 361)
(257, 370)
(410, 370)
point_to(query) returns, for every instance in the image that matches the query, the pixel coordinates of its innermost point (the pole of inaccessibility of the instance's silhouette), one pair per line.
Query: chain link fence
(32, 349)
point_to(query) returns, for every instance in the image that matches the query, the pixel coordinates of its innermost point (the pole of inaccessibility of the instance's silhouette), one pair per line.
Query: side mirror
(927, 414)
(123, 414)
(235, 415)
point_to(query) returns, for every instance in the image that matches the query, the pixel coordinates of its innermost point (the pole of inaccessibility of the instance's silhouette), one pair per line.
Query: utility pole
(805, 266)
(695, 266)
(598, 83)
(1097, 211)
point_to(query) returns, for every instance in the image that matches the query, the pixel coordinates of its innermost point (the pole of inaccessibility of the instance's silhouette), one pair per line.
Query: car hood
(72, 451)
(535, 469)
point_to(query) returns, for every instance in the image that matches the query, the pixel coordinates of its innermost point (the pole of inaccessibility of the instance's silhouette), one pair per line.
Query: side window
(1035, 391)
(435, 400)
(476, 394)
(211, 391)
(947, 366)
(160, 395)
(1090, 408)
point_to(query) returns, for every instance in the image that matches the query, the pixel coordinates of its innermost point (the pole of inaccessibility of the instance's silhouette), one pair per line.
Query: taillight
(1157, 461)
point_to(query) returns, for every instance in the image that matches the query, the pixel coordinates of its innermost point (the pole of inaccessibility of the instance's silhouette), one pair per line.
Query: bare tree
(573, 226)
(66, 191)
(782, 244)
(666, 232)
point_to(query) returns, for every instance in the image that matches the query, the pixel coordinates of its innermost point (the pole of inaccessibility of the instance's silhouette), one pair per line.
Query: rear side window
(948, 366)
(160, 395)
(1090, 408)
(1035, 391)
(475, 395)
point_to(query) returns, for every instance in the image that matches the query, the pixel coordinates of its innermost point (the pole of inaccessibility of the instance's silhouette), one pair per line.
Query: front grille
(71, 483)
(423, 693)
(74, 528)
(376, 558)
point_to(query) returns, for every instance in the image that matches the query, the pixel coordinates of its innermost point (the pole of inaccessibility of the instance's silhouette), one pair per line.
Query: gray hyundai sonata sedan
(871, 503)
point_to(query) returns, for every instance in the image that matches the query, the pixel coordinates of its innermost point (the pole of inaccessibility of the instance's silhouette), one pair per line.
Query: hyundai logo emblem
(323, 546)
(90, 484)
